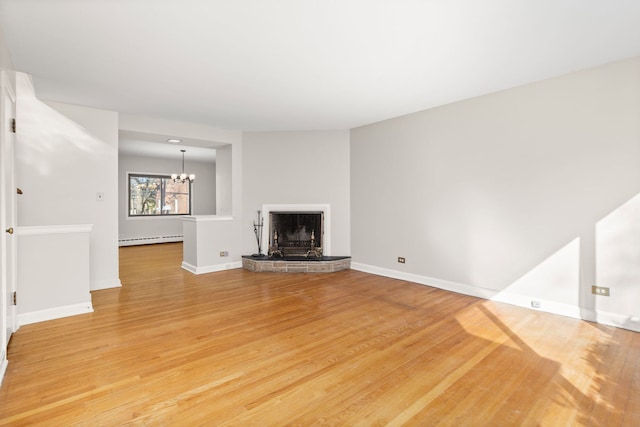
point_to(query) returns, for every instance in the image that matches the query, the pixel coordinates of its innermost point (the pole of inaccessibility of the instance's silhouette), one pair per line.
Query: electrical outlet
(600, 290)
(535, 304)
(401, 260)
(224, 253)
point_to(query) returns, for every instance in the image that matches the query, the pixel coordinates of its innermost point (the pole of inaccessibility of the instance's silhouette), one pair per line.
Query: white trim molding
(424, 280)
(3, 367)
(136, 241)
(206, 218)
(520, 300)
(105, 284)
(612, 319)
(210, 268)
(54, 313)
(53, 229)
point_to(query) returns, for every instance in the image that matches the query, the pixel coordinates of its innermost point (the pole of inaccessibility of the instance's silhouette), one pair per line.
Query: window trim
(154, 216)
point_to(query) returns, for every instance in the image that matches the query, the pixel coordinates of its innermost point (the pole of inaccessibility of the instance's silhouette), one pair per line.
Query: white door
(7, 211)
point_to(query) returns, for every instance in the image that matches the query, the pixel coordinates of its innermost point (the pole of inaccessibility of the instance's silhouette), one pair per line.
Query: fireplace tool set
(257, 229)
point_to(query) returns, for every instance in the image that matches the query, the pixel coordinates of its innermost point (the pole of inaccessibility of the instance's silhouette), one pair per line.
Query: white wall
(224, 199)
(6, 61)
(296, 168)
(518, 195)
(211, 244)
(65, 155)
(203, 194)
(53, 262)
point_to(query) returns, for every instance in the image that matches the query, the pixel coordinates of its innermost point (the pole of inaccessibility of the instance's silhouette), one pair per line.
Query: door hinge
(13, 125)
(15, 298)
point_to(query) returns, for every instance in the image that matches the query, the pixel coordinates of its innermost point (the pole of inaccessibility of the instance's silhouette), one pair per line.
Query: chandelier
(183, 177)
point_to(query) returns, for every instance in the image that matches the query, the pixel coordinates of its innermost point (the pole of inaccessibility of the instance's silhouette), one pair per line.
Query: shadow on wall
(61, 165)
(608, 255)
(66, 164)
(48, 134)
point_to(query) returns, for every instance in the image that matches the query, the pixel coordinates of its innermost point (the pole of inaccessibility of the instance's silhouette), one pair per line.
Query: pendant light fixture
(183, 177)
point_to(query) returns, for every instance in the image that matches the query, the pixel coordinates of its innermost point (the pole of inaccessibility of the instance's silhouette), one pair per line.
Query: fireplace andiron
(313, 251)
(274, 250)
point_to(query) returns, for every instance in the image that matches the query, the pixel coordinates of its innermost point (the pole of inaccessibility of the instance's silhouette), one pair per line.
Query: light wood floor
(239, 348)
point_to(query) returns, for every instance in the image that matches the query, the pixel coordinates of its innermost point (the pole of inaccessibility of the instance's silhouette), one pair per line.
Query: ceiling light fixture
(174, 140)
(183, 177)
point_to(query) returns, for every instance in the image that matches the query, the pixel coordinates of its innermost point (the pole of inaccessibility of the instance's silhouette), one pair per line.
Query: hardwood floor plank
(347, 348)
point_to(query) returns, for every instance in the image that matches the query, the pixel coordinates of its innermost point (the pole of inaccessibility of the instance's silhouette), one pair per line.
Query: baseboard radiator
(148, 240)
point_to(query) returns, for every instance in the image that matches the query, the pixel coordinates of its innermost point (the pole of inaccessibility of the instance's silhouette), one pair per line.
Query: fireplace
(296, 224)
(300, 228)
(296, 234)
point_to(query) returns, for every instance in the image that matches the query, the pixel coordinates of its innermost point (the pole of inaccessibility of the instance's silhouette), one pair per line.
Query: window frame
(163, 177)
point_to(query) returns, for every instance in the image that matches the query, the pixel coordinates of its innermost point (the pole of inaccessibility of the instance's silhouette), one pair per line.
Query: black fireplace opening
(296, 234)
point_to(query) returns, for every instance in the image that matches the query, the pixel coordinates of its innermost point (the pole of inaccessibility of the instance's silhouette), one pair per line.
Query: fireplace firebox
(296, 234)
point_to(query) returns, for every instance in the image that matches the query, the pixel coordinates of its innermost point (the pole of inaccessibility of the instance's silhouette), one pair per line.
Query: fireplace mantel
(324, 208)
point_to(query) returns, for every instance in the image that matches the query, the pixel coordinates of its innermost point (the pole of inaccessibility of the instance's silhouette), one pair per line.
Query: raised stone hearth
(327, 264)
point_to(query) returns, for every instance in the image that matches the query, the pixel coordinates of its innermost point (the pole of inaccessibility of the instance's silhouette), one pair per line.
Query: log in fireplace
(293, 234)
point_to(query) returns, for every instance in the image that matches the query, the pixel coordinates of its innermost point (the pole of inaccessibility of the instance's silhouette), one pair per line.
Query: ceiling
(304, 64)
(153, 145)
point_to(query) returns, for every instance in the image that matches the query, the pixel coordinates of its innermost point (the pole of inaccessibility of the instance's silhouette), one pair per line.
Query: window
(154, 195)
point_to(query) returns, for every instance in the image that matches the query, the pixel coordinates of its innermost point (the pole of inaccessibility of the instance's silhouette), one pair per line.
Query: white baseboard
(547, 306)
(189, 267)
(210, 268)
(569, 310)
(520, 300)
(55, 313)
(135, 241)
(424, 280)
(105, 284)
(3, 368)
(612, 319)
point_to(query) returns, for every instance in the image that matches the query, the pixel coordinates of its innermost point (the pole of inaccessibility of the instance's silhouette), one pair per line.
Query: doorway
(8, 317)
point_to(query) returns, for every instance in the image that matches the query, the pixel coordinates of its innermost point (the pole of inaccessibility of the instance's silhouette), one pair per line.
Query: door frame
(8, 217)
